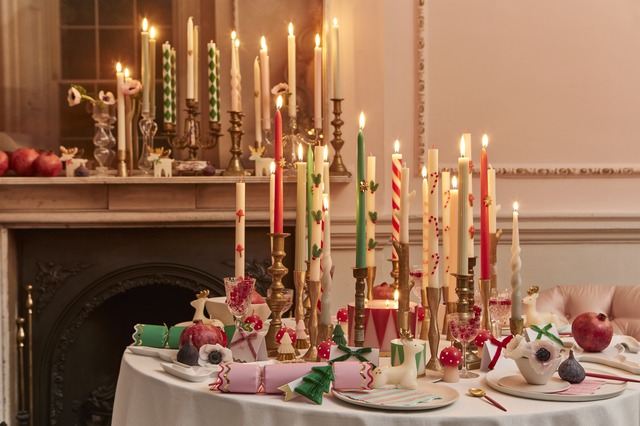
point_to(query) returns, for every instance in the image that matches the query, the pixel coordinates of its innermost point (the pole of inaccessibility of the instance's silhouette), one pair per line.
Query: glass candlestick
(148, 127)
(101, 138)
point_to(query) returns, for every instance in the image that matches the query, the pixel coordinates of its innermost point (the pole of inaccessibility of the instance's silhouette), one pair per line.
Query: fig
(571, 370)
(188, 354)
(81, 171)
(209, 170)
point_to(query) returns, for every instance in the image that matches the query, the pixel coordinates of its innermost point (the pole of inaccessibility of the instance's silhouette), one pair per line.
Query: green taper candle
(361, 240)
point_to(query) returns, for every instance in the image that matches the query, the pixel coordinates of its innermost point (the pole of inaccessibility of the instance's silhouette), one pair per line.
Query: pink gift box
(352, 375)
(239, 378)
(276, 375)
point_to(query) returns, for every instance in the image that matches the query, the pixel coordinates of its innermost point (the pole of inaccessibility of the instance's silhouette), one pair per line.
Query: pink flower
(74, 97)
(131, 87)
(106, 98)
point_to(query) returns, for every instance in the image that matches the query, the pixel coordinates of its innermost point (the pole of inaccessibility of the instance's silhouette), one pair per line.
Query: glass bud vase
(148, 128)
(101, 137)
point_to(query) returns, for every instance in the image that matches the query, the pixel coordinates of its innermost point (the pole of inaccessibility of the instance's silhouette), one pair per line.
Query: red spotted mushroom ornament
(343, 315)
(451, 358)
(324, 349)
(481, 338)
(290, 331)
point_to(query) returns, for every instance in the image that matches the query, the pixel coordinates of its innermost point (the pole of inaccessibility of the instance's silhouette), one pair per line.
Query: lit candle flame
(290, 28)
(233, 35)
(361, 120)
(325, 153)
(126, 73)
(263, 43)
(317, 40)
(272, 167)
(325, 202)
(145, 24)
(485, 140)
(424, 172)
(152, 33)
(300, 157)
(118, 67)
(462, 150)
(454, 182)
(515, 207)
(396, 146)
(237, 43)
(279, 102)
(335, 22)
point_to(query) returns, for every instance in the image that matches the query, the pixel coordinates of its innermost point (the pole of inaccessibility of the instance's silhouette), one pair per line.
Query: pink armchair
(620, 303)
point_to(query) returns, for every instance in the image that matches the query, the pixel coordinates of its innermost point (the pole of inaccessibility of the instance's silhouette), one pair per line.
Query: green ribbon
(545, 331)
(348, 353)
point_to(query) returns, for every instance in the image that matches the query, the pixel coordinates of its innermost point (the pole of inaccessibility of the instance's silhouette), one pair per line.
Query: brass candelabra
(276, 299)
(192, 139)
(235, 167)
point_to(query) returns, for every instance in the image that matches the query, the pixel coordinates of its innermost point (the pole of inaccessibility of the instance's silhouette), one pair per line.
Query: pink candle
(277, 211)
(485, 253)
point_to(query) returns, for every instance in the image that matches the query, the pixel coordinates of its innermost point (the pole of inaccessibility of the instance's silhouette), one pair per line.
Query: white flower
(74, 97)
(280, 89)
(131, 87)
(211, 355)
(517, 348)
(106, 98)
(543, 354)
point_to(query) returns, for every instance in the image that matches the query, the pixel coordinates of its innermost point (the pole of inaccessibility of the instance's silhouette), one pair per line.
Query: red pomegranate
(48, 164)
(22, 161)
(383, 292)
(4, 163)
(202, 334)
(592, 331)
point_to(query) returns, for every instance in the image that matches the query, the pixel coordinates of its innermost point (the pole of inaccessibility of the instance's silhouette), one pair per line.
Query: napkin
(402, 397)
(586, 387)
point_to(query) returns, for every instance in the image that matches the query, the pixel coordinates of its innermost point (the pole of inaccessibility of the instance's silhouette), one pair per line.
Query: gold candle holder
(360, 274)
(337, 166)
(471, 264)
(325, 331)
(424, 331)
(404, 288)
(20, 338)
(192, 139)
(394, 273)
(29, 306)
(462, 290)
(371, 281)
(298, 283)
(276, 299)
(433, 302)
(485, 294)
(122, 165)
(494, 239)
(235, 167)
(516, 326)
(314, 294)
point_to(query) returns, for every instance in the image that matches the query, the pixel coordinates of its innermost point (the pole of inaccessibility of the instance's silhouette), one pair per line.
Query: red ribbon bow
(500, 344)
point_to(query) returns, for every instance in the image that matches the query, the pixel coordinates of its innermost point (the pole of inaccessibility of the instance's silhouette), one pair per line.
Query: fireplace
(103, 256)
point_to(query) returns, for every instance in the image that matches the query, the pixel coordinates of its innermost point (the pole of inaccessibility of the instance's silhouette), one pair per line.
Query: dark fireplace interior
(90, 286)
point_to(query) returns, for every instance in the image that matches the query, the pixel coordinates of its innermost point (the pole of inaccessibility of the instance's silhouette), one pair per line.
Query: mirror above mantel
(55, 43)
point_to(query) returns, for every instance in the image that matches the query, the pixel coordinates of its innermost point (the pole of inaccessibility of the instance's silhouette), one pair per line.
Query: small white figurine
(538, 318)
(404, 375)
(162, 164)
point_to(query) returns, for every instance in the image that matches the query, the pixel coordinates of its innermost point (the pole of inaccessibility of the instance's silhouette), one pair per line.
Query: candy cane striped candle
(396, 180)
(213, 82)
(446, 220)
(174, 90)
(166, 82)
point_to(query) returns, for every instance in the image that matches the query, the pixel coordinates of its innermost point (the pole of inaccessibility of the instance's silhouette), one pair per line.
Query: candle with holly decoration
(317, 215)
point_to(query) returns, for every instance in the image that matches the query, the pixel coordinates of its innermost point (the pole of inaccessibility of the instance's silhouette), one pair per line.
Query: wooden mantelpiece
(81, 202)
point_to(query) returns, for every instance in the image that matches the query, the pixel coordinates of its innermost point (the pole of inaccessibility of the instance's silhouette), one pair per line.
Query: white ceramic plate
(167, 354)
(145, 351)
(608, 390)
(516, 381)
(431, 376)
(191, 374)
(447, 396)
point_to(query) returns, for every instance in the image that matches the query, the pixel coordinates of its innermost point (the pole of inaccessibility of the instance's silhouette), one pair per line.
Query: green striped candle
(166, 82)
(174, 91)
(214, 77)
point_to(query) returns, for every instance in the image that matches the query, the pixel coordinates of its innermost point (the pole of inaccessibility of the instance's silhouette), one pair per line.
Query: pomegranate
(202, 334)
(592, 332)
(383, 292)
(4, 163)
(22, 161)
(48, 164)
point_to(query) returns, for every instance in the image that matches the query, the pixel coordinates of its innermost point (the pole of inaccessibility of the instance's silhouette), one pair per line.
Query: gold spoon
(479, 393)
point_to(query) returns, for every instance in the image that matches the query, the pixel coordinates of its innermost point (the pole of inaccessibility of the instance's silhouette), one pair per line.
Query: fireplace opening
(90, 286)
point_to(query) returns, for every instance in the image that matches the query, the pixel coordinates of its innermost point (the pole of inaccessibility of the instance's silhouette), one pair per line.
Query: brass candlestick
(192, 139)
(235, 167)
(516, 326)
(314, 294)
(371, 281)
(337, 166)
(462, 290)
(433, 301)
(299, 283)
(485, 294)
(494, 240)
(470, 268)
(360, 274)
(22, 401)
(122, 165)
(276, 299)
(404, 288)
(394, 273)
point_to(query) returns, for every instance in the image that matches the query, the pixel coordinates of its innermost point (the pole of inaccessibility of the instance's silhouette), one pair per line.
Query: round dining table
(147, 396)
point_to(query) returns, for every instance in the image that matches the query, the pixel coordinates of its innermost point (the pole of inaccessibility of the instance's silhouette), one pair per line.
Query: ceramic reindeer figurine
(161, 161)
(198, 304)
(404, 375)
(538, 318)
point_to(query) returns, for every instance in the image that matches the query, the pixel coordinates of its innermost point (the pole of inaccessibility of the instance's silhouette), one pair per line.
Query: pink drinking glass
(464, 328)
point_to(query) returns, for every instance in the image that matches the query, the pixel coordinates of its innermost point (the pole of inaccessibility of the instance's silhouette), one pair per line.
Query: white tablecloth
(146, 395)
